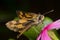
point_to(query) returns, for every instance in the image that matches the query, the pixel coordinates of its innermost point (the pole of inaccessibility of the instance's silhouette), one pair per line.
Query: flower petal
(44, 36)
(54, 25)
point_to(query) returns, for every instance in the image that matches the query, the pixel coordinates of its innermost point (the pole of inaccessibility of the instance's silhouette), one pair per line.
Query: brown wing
(27, 15)
(20, 14)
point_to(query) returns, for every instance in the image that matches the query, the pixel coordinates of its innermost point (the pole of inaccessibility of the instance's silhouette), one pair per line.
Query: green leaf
(33, 32)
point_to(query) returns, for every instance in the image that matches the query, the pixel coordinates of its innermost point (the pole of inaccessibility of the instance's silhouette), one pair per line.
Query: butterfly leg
(21, 32)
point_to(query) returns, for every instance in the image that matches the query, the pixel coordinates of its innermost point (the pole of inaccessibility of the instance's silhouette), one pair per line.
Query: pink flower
(44, 35)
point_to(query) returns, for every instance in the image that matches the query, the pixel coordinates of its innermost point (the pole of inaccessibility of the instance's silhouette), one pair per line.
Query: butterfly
(26, 20)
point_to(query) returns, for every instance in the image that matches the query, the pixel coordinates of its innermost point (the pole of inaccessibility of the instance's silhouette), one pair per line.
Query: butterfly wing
(27, 15)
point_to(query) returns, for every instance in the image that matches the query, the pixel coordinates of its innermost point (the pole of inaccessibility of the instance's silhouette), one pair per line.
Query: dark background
(8, 10)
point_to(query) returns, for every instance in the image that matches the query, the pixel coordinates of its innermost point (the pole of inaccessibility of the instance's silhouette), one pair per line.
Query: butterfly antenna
(48, 12)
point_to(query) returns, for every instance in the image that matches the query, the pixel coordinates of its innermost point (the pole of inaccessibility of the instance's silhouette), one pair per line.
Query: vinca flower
(44, 33)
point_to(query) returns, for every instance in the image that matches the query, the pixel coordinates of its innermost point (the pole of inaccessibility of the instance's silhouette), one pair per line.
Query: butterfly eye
(40, 18)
